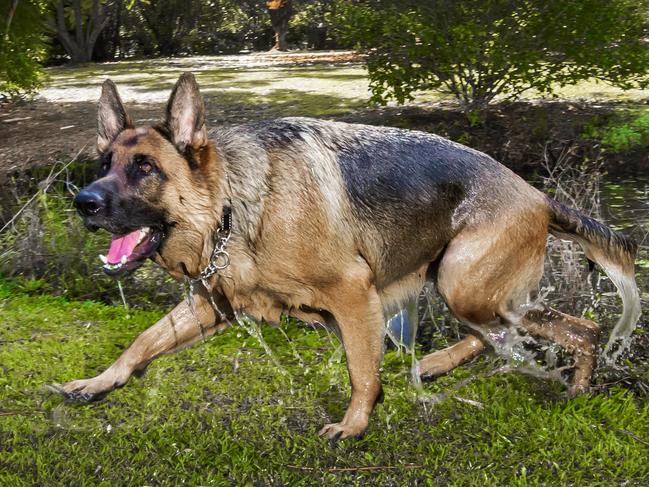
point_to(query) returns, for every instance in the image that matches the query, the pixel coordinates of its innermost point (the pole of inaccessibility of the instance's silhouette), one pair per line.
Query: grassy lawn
(277, 90)
(224, 413)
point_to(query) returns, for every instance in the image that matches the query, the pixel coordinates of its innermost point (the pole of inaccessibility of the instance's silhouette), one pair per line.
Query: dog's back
(409, 192)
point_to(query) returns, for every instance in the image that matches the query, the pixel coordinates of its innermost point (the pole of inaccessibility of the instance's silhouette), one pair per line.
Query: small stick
(20, 413)
(355, 469)
(634, 436)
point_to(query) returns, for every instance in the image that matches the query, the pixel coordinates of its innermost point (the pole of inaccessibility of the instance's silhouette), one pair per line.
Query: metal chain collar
(220, 258)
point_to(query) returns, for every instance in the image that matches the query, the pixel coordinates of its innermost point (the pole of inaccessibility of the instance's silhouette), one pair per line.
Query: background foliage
(482, 50)
(80, 31)
(23, 45)
(476, 50)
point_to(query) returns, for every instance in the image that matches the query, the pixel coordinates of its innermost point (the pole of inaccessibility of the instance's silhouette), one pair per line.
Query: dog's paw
(85, 390)
(340, 431)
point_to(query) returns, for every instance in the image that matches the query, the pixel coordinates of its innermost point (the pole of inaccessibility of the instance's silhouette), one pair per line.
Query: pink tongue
(121, 246)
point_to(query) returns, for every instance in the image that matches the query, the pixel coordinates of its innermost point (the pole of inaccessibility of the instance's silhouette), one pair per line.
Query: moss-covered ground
(224, 413)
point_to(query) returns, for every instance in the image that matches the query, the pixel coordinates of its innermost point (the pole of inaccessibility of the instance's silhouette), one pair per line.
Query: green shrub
(623, 134)
(22, 46)
(480, 51)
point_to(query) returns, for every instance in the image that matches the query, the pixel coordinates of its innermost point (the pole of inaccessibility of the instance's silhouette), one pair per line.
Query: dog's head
(149, 179)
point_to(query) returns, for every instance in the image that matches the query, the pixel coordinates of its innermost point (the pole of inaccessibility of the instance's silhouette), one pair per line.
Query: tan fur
(488, 273)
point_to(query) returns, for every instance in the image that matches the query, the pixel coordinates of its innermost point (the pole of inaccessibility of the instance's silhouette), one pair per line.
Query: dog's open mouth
(128, 252)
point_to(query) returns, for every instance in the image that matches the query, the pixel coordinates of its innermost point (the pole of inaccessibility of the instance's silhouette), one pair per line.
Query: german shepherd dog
(336, 223)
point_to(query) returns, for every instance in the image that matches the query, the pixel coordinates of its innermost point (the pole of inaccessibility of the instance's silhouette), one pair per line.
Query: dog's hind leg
(487, 276)
(577, 336)
(443, 361)
(490, 274)
(186, 324)
(358, 312)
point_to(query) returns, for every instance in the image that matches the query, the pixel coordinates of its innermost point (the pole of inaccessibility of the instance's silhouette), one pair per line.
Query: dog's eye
(143, 163)
(104, 163)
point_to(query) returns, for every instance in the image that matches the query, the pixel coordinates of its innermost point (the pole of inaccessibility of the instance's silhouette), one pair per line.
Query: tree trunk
(280, 12)
(79, 47)
(117, 39)
(10, 15)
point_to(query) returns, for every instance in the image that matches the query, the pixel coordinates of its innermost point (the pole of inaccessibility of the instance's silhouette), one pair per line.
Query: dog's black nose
(90, 201)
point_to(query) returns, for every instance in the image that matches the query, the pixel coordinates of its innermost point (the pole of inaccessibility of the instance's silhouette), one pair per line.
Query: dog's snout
(90, 201)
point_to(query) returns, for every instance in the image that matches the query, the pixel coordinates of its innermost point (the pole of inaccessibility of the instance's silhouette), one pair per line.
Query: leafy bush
(22, 46)
(310, 26)
(482, 50)
(622, 134)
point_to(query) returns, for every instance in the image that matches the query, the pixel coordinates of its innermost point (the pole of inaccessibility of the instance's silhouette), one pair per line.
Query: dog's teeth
(103, 259)
(143, 233)
(123, 260)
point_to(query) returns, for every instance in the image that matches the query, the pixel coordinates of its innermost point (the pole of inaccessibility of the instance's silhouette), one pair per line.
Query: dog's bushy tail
(612, 251)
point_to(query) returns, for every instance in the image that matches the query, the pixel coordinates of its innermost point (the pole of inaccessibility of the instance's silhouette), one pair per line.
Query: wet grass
(222, 413)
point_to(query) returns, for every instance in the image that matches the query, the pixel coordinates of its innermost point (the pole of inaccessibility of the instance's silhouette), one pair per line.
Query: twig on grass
(355, 469)
(29, 412)
(634, 436)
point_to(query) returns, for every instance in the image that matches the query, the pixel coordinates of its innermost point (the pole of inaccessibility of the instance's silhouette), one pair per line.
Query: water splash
(518, 351)
(294, 351)
(189, 297)
(121, 293)
(250, 325)
(254, 330)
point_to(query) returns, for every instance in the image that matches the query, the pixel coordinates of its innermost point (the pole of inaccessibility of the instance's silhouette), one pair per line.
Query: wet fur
(337, 222)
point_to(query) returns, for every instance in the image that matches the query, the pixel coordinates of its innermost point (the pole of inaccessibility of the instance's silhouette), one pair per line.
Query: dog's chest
(255, 292)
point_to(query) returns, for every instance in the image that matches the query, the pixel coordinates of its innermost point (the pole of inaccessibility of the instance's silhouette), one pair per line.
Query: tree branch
(62, 30)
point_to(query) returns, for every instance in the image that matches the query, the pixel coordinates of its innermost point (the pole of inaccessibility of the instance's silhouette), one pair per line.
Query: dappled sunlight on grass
(223, 80)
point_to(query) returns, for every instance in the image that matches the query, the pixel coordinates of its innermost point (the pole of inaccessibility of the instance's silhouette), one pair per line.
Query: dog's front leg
(186, 324)
(360, 321)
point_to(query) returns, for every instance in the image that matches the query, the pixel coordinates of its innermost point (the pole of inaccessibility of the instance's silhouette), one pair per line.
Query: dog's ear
(185, 115)
(111, 116)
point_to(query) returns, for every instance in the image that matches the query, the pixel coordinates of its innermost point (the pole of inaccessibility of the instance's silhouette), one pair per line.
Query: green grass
(222, 413)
